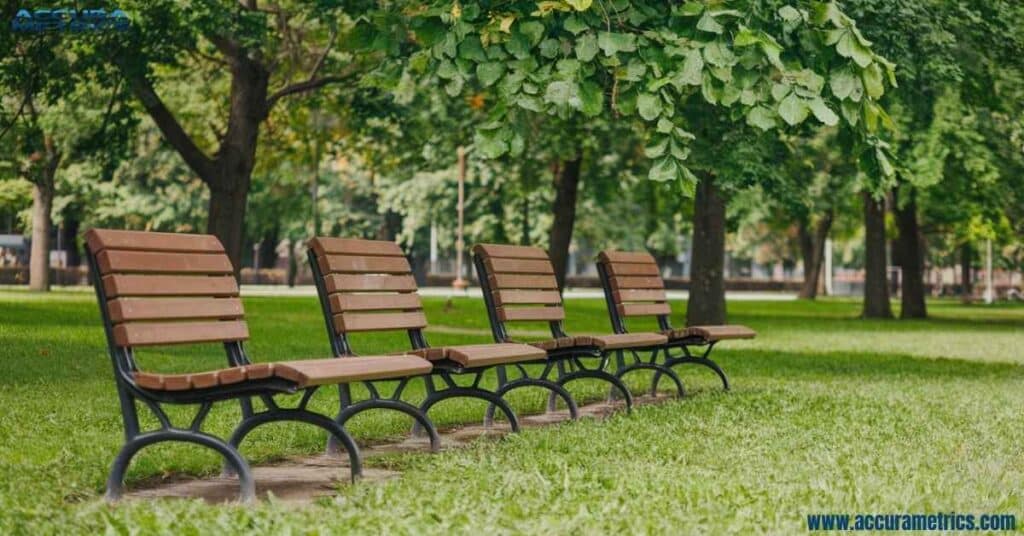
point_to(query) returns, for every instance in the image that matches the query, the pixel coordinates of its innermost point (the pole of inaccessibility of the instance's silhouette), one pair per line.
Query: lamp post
(459, 283)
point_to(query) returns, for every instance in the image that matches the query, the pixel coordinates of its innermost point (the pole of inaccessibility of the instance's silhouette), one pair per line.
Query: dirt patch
(302, 480)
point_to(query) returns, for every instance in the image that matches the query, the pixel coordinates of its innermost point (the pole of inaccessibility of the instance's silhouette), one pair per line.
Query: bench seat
(604, 342)
(484, 355)
(304, 373)
(711, 333)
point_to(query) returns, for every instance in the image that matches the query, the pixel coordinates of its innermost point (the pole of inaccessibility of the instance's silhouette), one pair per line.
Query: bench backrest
(520, 284)
(365, 285)
(633, 286)
(165, 288)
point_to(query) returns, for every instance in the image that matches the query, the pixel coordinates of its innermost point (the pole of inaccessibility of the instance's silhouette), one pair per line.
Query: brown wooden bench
(367, 285)
(519, 284)
(157, 289)
(633, 287)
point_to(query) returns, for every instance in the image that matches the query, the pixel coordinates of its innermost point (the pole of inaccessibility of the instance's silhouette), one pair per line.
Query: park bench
(633, 287)
(519, 284)
(367, 286)
(157, 289)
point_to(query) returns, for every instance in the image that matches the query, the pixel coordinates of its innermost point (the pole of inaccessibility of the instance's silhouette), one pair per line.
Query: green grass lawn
(828, 414)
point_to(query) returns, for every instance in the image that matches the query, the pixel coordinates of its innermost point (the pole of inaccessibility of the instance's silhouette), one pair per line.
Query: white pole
(989, 289)
(433, 247)
(828, 266)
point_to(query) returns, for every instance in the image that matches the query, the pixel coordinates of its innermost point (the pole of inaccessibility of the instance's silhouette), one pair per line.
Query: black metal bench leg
(604, 376)
(555, 389)
(703, 361)
(115, 482)
(659, 370)
(553, 397)
(471, 392)
(423, 422)
(296, 415)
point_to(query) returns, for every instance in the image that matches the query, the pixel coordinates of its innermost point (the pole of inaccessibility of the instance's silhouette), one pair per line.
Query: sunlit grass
(829, 413)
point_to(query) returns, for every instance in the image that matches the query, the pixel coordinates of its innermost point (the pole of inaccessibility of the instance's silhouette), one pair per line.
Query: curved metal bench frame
(436, 392)
(129, 392)
(665, 367)
(567, 362)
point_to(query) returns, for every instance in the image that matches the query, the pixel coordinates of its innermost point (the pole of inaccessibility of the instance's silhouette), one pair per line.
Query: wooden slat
(644, 309)
(323, 245)
(374, 302)
(638, 295)
(129, 309)
(511, 314)
(169, 285)
(626, 256)
(510, 281)
(363, 264)
(619, 268)
(153, 333)
(113, 260)
(518, 266)
(514, 252)
(638, 282)
(347, 322)
(540, 297)
(100, 239)
(369, 283)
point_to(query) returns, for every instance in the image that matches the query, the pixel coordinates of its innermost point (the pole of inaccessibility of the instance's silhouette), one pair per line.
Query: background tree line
(615, 123)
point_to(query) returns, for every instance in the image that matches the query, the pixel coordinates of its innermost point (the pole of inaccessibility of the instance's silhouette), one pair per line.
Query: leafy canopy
(763, 63)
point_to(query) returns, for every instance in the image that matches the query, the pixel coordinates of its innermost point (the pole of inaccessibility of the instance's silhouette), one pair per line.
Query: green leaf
(664, 126)
(693, 69)
(717, 53)
(649, 106)
(883, 163)
(567, 67)
(843, 82)
(780, 90)
(691, 9)
(470, 49)
(850, 111)
(849, 47)
(688, 182)
(519, 46)
(559, 92)
(790, 14)
(575, 25)
(586, 47)
(793, 109)
(745, 37)
(762, 118)
(873, 85)
(527, 102)
(664, 170)
(823, 112)
(454, 87)
(656, 149)
(580, 5)
(492, 143)
(490, 72)
(591, 99)
(549, 48)
(612, 43)
(533, 30)
(707, 23)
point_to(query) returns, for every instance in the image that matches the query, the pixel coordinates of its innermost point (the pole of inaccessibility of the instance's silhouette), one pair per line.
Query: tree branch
(172, 130)
(312, 83)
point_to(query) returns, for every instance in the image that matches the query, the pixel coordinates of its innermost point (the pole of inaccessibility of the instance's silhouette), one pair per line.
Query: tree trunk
(70, 239)
(226, 220)
(706, 305)
(876, 284)
(567, 183)
(966, 283)
(812, 247)
(39, 259)
(268, 248)
(524, 238)
(912, 261)
(293, 264)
